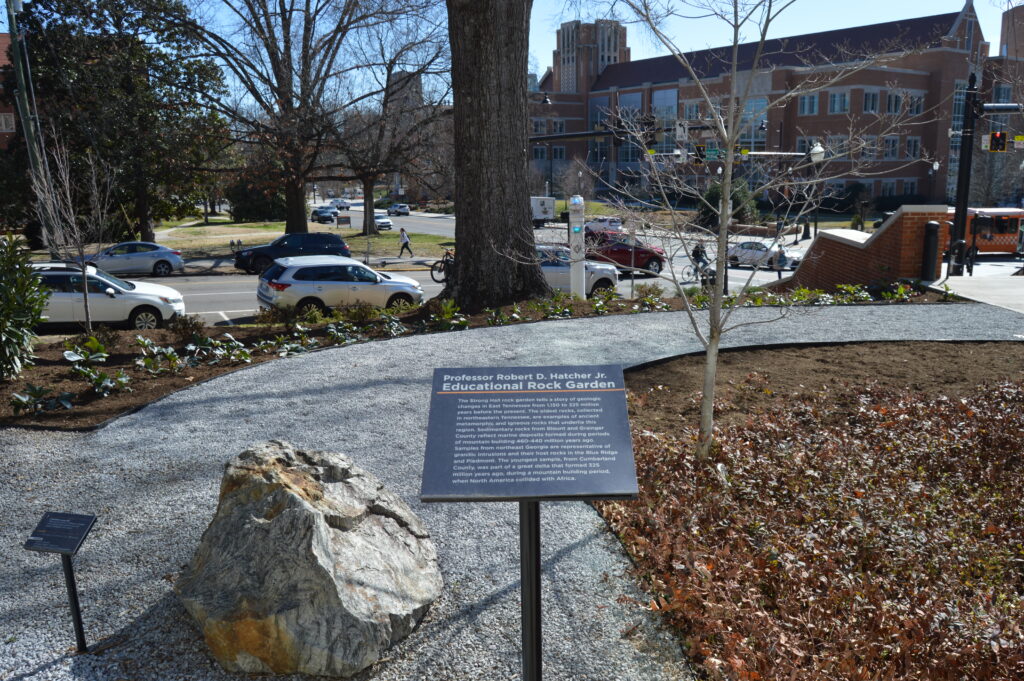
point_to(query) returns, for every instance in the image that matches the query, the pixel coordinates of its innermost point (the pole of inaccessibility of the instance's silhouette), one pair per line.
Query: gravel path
(152, 479)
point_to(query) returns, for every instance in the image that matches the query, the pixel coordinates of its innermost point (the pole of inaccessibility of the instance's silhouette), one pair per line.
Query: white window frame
(839, 102)
(557, 126)
(807, 105)
(893, 102)
(887, 188)
(909, 184)
(539, 126)
(915, 105)
(913, 147)
(540, 152)
(557, 153)
(891, 148)
(869, 151)
(864, 103)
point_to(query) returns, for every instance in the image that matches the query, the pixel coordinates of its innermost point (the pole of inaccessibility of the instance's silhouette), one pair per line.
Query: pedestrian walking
(780, 261)
(403, 238)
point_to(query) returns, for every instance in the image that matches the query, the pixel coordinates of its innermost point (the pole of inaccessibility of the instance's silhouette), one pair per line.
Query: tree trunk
(493, 232)
(369, 224)
(296, 220)
(143, 212)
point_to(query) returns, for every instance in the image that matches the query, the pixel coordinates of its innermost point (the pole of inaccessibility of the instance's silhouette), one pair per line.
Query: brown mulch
(52, 371)
(937, 368)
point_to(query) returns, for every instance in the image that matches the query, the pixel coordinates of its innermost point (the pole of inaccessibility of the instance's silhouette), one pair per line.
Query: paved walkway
(152, 477)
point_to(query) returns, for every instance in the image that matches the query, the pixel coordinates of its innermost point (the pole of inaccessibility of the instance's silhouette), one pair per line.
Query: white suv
(111, 300)
(323, 281)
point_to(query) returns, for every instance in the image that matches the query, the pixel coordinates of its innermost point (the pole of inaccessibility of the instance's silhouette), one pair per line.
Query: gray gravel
(152, 479)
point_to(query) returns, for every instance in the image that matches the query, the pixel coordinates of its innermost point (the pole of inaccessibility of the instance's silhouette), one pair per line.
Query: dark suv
(258, 258)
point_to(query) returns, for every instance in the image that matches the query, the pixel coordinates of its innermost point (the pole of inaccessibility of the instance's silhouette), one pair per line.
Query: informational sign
(1018, 142)
(60, 533)
(557, 432)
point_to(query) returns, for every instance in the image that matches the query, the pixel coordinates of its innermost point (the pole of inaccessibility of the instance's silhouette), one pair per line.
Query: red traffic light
(997, 141)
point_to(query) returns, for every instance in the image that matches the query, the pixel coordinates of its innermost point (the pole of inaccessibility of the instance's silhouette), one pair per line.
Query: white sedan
(141, 257)
(382, 221)
(760, 254)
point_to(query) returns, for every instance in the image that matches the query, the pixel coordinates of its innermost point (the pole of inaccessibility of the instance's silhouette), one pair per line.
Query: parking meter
(577, 248)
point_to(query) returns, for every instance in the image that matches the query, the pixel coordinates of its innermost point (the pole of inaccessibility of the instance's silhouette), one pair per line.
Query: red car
(624, 251)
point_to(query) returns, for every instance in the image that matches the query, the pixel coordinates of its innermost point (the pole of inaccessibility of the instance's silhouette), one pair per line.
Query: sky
(805, 16)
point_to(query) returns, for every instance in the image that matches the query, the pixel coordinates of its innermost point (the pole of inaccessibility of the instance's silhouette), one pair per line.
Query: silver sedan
(138, 256)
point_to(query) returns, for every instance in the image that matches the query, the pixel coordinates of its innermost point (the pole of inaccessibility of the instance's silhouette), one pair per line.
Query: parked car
(140, 257)
(341, 204)
(382, 221)
(398, 209)
(258, 258)
(624, 251)
(111, 300)
(323, 281)
(604, 224)
(555, 264)
(324, 214)
(760, 254)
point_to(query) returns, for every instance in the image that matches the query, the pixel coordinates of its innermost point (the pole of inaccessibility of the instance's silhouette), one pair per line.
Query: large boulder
(309, 565)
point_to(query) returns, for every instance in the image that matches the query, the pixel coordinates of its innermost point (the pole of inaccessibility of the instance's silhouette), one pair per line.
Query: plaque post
(529, 564)
(76, 611)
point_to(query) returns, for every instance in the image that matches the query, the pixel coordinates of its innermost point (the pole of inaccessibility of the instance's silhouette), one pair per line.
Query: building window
(909, 187)
(888, 188)
(891, 148)
(664, 106)
(691, 110)
(870, 149)
(913, 147)
(804, 144)
(808, 105)
(539, 126)
(557, 153)
(915, 105)
(598, 110)
(837, 146)
(893, 103)
(751, 135)
(6, 122)
(870, 102)
(838, 103)
(539, 153)
(557, 127)
(629, 153)
(630, 105)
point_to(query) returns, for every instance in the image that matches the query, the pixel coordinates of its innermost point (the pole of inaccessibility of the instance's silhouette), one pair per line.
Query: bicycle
(440, 270)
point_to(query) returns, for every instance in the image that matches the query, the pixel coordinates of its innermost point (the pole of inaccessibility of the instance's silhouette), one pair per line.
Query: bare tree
(291, 68)
(726, 82)
(75, 204)
(494, 239)
(406, 62)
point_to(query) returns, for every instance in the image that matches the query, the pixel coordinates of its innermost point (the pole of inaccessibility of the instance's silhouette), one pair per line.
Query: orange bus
(994, 230)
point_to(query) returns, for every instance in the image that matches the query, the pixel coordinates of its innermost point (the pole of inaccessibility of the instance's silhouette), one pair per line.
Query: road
(225, 300)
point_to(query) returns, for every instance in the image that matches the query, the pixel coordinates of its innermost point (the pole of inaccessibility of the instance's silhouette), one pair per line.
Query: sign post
(64, 533)
(577, 248)
(529, 434)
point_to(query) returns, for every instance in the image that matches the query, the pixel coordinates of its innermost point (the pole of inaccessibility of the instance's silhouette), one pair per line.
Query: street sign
(1018, 142)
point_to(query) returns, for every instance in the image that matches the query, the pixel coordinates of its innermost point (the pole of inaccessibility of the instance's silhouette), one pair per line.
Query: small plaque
(60, 533)
(528, 433)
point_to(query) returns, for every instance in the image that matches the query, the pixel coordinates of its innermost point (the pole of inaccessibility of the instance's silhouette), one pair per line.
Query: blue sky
(805, 16)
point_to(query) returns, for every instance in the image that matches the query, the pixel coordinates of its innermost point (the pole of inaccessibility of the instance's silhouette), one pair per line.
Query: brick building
(6, 112)
(592, 77)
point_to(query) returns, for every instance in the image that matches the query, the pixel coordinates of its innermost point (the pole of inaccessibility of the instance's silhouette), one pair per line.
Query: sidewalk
(153, 478)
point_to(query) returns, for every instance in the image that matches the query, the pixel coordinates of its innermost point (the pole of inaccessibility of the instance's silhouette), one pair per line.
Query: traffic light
(997, 141)
(699, 154)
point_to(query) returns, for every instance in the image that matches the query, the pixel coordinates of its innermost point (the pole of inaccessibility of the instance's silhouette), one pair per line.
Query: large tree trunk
(369, 224)
(296, 221)
(495, 263)
(143, 207)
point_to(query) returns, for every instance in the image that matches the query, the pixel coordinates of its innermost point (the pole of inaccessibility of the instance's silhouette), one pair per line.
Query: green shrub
(21, 307)
(37, 399)
(186, 328)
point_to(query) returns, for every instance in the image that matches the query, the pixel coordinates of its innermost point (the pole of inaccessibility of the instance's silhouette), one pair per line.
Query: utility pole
(26, 115)
(973, 110)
